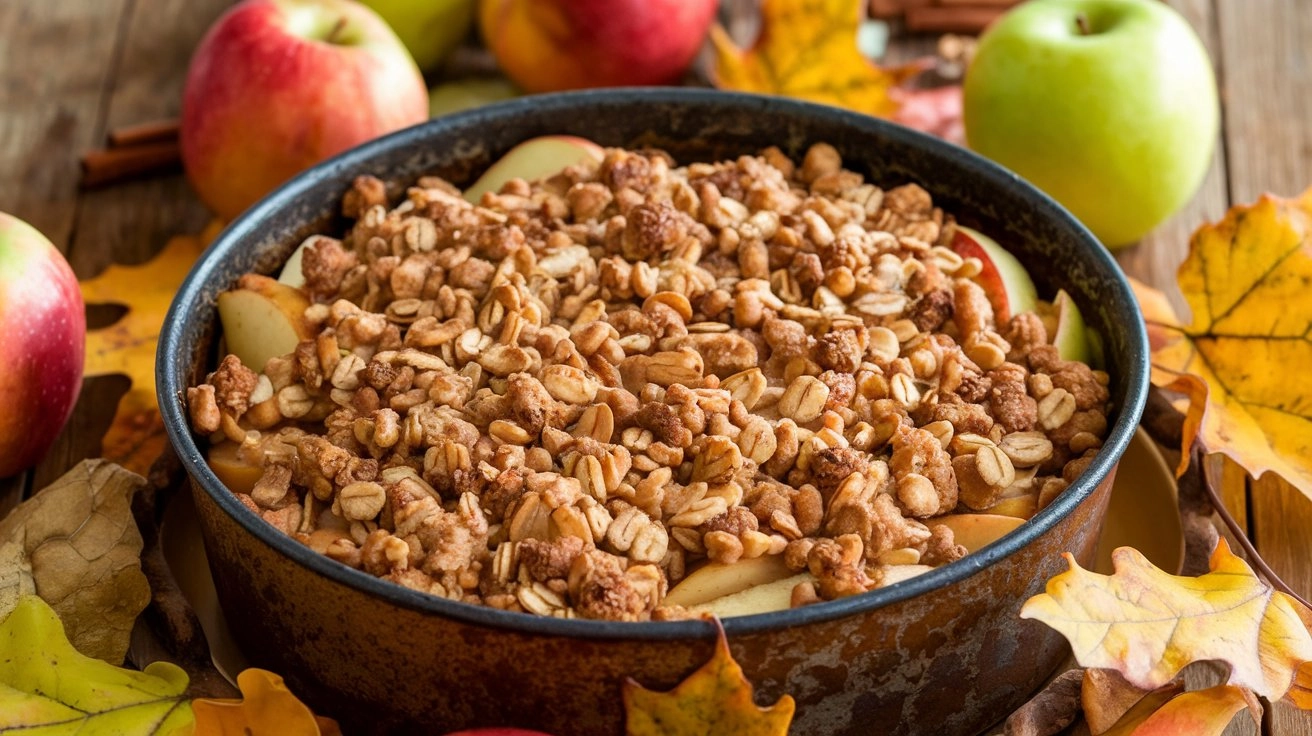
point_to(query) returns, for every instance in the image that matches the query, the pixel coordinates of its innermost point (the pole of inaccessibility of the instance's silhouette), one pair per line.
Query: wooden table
(72, 69)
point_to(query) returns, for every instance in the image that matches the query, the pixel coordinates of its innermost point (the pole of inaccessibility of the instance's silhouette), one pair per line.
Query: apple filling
(631, 390)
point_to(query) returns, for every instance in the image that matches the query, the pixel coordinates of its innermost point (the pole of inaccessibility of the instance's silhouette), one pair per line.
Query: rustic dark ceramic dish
(944, 653)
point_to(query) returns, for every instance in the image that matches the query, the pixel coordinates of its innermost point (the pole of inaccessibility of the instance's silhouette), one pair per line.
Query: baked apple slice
(976, 531)
(776, 595)
(716, 580)
(1006, 282)
(262, 318)
(534, 159)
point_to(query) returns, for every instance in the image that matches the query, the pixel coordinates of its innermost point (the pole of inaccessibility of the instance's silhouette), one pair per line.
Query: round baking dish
(942, 653)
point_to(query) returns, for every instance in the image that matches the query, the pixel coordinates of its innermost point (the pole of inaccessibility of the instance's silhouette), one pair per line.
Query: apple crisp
(570, 397)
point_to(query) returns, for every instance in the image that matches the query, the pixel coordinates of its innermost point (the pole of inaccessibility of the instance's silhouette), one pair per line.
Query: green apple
(1008, 285)
(464, 94)
(1110, 106)
(430, 29)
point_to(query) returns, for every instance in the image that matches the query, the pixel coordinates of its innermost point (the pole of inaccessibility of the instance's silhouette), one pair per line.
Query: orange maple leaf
(717, 698)
(1196, 713)
(1148, 624)
(1246, 281)
(267, 706)
(808, 49)
(136, 435)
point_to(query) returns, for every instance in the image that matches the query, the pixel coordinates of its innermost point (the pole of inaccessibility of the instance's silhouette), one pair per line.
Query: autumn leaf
(1196, 713)
(76, 545)
(48, 687)
(1105, 698)
(808, 49)
(136, 435)
(717, 698)
(266, 706)
(1301, 693)
(1246, 280)
(1148, 624)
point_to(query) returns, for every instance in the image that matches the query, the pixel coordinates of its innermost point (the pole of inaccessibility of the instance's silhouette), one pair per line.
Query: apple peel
(135, 437)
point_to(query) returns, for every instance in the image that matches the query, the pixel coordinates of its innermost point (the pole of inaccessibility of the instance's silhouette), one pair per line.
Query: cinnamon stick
(956, 19)
(108, 165)
(154, 131)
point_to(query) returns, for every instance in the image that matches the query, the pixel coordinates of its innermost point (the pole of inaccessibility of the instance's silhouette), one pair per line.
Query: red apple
(548, 45)
(44, 332)
(1006, 282)
(278, 85)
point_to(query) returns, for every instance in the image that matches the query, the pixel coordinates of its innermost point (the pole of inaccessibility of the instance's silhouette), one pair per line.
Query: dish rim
(172, 366)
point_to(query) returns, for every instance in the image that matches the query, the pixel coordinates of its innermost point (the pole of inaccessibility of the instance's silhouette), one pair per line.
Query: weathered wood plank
(131, 221)
(49, 111)
(1268, 92)
(1154, 259)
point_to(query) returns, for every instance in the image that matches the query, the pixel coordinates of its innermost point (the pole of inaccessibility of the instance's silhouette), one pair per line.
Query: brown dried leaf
(79, 541)
(1195, 713)
(15, 577)
(1051, 710)
(1106, 697)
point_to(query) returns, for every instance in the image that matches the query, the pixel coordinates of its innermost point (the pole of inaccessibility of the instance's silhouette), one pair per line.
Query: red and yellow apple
(279, 85)
(44, 328)
(549, 45)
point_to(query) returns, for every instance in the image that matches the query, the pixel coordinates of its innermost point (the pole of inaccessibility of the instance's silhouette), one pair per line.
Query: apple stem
(1082, 22)
(336, 31)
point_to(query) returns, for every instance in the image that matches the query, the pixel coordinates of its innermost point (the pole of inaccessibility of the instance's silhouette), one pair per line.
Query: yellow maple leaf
(1196, 713)
(1148, 624)
(717, 698)
(1246, 280)
(266, 706)
(808, 49)
(48, 687)
(136, 435)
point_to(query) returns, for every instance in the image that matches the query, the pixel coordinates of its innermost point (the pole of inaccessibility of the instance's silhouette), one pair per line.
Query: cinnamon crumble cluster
(566, 398)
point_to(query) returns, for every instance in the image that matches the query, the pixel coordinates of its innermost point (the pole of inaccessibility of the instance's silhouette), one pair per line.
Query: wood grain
(1267, 86)
(130, 222)
(49, 111)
